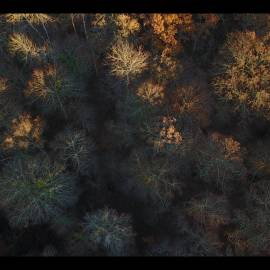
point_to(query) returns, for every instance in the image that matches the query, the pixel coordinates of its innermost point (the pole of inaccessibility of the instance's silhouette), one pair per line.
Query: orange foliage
(165, 26)
(230, 147)
(151, 92)
(24, 130)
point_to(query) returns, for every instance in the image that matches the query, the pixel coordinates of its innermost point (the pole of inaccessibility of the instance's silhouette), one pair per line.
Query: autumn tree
(241, 74)
(127, 61)
(24, 132)
(220, 161)
(51, 88)
(27, 50)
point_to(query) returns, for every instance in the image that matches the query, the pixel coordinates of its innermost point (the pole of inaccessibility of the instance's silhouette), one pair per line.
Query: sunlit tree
(22, 46)
(242, 74)
(51, 88)
(127, 61)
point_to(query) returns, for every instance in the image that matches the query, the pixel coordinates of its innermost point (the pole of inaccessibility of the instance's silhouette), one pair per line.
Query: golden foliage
(186, 100)
(151, 92)
(51, 86)
(127, 25)
(168, 133)
(243, 74)
(20, 44)
(163, 133)
(24, 131)
(230, 147)
(126, 60)
(32, 18)
(166, 65)
(165, 26)
(37, 85)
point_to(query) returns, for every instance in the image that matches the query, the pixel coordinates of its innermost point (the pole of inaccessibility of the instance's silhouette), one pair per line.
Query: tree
(30, 19)
(166, 26)
(242, 74)
(210, 211)
(191, 103)
(25, 131)
(220, 161)
(258, 159)
(126, 25)
(110, 231)
(33, 190)
(163, 134)
(22, 46)
(127, 61)
(252, 234)
(132, 115)
(75, 147)
(34, 18)
(151, 93)
(156, 177)
(51, 87)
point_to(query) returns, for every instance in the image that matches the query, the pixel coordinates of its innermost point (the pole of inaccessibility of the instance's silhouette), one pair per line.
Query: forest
(129, 134)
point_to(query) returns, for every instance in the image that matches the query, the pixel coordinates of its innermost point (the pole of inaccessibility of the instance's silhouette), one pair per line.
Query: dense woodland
(134, 134)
